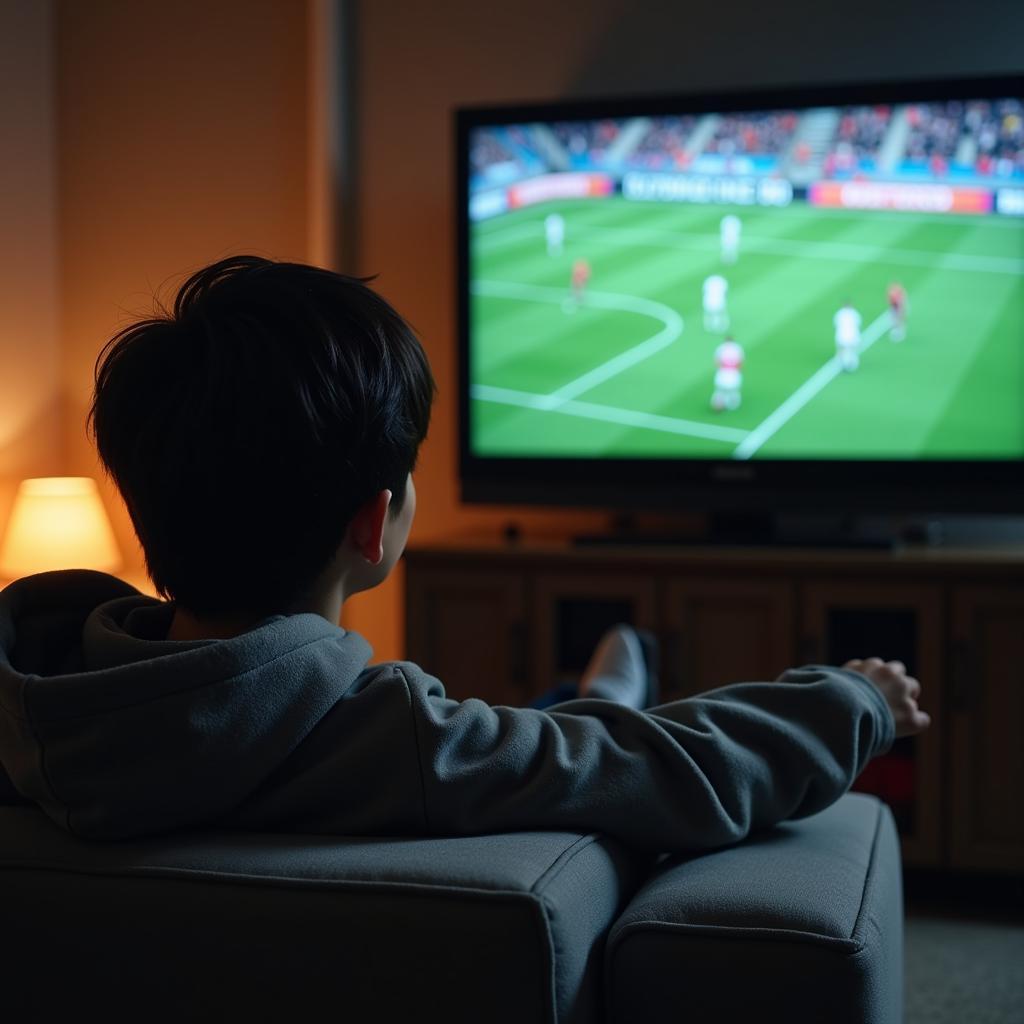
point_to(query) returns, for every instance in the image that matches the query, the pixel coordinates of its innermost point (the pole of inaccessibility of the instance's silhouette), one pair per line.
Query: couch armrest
(802, 922)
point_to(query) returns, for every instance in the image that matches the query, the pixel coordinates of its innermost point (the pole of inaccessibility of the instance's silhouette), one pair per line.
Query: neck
(187, 626)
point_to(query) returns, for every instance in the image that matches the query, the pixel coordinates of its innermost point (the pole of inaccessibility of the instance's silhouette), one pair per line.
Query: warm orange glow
(58, 523)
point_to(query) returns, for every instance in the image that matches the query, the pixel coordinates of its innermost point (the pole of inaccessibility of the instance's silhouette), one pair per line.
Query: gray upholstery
(226, 926)
(801, 923)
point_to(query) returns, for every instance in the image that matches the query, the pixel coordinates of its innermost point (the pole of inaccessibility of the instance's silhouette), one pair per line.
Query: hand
(899, 690)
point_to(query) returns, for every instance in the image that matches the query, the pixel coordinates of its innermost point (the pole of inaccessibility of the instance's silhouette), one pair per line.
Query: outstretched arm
(688, 775)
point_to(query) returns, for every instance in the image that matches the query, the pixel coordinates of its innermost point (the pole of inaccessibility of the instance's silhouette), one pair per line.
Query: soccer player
(730, 234)
(715, 317)
(554, 233)
(847, 324)
(897, 296)
(728, 376)
(580, 277)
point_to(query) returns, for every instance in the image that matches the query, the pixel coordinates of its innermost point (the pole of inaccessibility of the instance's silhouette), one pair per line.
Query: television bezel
(828, 486)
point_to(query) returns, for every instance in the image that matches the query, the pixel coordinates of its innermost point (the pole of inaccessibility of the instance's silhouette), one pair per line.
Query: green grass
(952, 389)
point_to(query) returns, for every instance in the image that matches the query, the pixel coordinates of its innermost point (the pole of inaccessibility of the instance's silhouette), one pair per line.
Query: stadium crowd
(999, 129)
(762, 134)
(487, 151)
(664, 143)
(587, 139)
(986, 133)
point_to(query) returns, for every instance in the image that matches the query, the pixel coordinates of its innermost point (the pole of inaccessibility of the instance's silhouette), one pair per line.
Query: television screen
(746, 280)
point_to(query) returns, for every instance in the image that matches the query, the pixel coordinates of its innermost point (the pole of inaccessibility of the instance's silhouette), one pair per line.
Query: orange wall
(30, 399)
(183, 131)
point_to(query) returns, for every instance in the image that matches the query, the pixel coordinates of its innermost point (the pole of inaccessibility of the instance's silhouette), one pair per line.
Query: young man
(263, 433)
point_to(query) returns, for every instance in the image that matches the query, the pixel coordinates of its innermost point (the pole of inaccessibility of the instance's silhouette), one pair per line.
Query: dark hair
(245, 427)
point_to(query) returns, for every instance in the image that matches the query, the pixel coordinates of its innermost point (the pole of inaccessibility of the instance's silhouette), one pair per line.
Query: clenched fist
(899, 690)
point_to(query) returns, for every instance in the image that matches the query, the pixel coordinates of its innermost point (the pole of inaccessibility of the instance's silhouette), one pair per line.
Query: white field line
(607, 414)
(849, 252)
(673, 327)
(811, 387)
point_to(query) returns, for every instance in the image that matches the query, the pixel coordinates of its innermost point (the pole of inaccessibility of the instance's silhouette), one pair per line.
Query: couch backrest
(293, 927)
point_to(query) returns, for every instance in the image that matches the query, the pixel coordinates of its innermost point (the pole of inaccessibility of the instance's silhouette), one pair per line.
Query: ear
(367, 527)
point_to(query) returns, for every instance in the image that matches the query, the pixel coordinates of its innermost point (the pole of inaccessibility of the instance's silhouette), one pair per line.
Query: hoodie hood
(115, 730)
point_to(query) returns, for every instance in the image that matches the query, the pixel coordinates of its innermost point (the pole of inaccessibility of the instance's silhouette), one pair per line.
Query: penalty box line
(672, 328)
(607, 414)
(808, 390)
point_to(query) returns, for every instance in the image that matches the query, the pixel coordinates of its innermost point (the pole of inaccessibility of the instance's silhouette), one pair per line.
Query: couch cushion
(203, 925)
(802, 922)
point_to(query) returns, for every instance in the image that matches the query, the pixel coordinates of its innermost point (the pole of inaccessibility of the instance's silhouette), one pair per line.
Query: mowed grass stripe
(512, 331)
(892, 403)
(635, 275)
(986, 414)
(657, 385)
(781, 313)
(629, 440)
(680, 227)
(522, 232)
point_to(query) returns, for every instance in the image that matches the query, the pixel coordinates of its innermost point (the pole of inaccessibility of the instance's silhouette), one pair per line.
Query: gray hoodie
(118, 732)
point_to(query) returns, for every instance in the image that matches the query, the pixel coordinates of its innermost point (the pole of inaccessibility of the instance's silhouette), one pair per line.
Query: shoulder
(420, 684)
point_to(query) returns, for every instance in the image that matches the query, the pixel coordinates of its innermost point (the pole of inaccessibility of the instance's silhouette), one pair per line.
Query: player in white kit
(715, 317)
(730, 233)
(554, 233)
(847, 324)
(728, 376)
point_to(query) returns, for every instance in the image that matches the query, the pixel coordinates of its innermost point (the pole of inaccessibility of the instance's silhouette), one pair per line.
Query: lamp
(58, 522)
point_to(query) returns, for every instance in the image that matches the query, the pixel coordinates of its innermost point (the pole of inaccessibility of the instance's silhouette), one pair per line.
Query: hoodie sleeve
(688, 775)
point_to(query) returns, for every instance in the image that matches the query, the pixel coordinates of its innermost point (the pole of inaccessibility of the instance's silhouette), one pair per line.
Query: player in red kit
(728, 376)
(897, 296)
(580, 277)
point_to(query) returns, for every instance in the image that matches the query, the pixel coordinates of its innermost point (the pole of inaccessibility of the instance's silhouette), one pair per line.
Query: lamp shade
(58, 523)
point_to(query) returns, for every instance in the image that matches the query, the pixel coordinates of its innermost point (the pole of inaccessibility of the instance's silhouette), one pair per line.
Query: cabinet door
(571, 610)
(895, 622)
(467, 627)
(725, 631)
(987, 718)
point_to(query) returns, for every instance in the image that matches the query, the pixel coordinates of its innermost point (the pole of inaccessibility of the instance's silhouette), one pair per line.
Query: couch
(802, 922)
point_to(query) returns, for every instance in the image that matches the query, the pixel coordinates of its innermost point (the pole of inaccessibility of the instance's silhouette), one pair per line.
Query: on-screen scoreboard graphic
(827, 283)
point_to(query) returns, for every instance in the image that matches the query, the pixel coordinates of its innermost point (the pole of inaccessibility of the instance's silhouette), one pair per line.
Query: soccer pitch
(629, 372)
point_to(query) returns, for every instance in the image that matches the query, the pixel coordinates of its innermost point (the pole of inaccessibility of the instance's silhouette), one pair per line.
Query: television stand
(507, 621)
(763, 529)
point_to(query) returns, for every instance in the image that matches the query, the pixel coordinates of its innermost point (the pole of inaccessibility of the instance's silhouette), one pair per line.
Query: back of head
(246, 425)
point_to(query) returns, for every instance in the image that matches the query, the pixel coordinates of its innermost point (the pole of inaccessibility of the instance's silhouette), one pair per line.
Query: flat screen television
(777, 300)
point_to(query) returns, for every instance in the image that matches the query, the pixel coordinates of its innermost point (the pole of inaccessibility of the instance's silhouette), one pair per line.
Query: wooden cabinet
(469, 629)
(507, 622)
(897, 622)
(725, 631)
(571, 610)
(986, 716)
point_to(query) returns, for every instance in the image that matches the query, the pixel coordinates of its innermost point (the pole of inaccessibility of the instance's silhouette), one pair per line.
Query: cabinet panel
(507, 623)
(987, 720)
(895, 622)
(468, 628)
(571, 610)
(725, 631)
